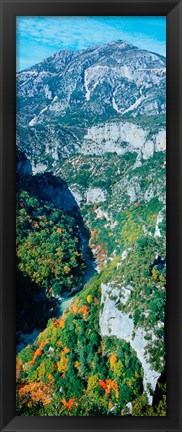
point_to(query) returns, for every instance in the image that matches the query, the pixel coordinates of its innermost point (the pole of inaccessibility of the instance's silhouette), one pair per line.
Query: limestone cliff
(116, 323)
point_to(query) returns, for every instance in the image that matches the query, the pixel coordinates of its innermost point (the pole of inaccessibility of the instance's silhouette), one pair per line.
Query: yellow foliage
(62, 364)
(118, 369)
(155, 274)
(77, 364)
(131, 229)
(93, 382)
(41, 370)
(89, 298)
(66, 269)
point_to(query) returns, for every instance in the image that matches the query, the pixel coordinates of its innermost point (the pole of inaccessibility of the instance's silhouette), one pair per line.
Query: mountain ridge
(96, 119)
(89, 49)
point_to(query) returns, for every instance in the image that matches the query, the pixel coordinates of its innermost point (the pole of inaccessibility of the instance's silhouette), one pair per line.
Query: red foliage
(38, 351)
(70, 403)
(84, 310)
(109, 386)
(103, 385)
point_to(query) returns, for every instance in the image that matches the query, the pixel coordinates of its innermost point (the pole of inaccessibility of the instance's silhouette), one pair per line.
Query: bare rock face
(60, 100)
(122, 137)
(95, 195)
(158, 221)
(122, 77)
(116, 323)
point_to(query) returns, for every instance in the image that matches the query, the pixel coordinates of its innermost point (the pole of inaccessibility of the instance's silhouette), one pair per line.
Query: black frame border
(172, 9)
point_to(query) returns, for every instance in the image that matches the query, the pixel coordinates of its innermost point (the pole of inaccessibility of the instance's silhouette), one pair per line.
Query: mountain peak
(116, 80)
(121, 43)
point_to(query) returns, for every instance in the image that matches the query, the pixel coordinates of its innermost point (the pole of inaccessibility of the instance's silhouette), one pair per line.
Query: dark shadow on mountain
(158, 262)
(33, 307)
(159, 390)
(49, 188)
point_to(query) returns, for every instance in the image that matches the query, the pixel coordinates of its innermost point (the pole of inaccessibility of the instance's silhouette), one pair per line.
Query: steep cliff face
(121, 138)
(116, 323)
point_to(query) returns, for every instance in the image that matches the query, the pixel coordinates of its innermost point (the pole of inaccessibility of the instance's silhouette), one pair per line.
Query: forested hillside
(91, 234)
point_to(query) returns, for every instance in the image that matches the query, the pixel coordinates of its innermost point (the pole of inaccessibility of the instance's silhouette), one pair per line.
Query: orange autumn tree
(18, 367)
(68, 404)
(38, 351)
(35, 392)
(59, 230)
(112, 360)
(109, 386)
(74, 306)
(103, 385)
(51, 378)
(66, 350)
(61, 322)
(84, 310)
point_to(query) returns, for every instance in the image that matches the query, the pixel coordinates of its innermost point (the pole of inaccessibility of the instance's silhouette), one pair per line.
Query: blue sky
(40, 37)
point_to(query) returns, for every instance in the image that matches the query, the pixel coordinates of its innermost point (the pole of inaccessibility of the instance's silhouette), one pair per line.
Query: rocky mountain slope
(95, 119)
(62, 98)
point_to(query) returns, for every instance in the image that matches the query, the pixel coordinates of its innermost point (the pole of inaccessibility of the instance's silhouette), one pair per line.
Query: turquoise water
(66, 303)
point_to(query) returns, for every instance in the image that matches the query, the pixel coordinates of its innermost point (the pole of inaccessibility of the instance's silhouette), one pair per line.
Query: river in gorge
(24, 339)
(27, 336)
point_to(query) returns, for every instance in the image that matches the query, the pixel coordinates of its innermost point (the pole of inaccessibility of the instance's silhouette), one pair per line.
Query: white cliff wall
(115, 323)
